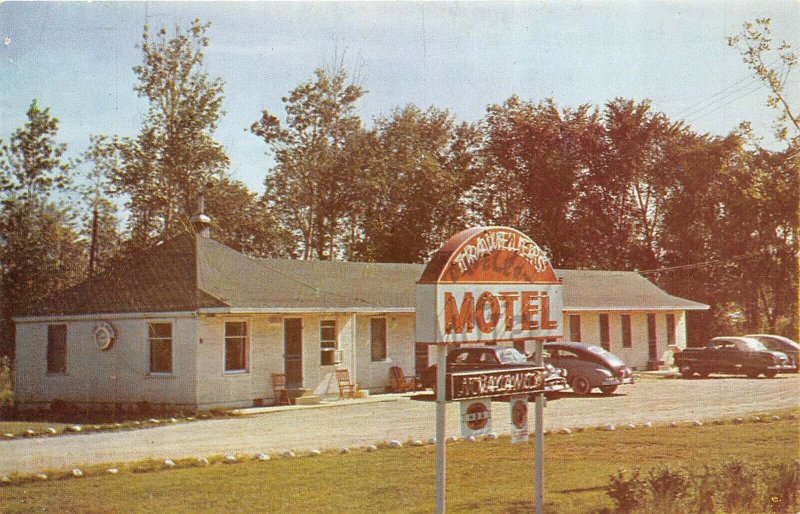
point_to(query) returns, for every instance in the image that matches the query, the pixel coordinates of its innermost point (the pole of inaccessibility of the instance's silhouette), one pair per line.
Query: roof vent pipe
(200, 221)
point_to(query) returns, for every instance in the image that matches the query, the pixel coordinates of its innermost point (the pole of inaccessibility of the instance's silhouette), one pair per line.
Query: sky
(76, 59)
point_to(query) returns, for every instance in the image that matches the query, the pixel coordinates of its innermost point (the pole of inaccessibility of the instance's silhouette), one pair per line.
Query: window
(235, 346)
(378, 338)
(56, 348)
(328, 343)
(159, 337)
(574, 328)
(626, 330)
(670, 329)
(605, 332)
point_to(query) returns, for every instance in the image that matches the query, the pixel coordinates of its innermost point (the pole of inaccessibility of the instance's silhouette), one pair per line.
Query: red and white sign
(519, 419)
(488, 284)
(476, 417)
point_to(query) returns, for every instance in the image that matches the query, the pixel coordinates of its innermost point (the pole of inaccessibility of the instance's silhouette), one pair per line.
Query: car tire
(581, 385)
(608, 390)
(704, 374)
(770, 374)
(686, 371)
(752, 373)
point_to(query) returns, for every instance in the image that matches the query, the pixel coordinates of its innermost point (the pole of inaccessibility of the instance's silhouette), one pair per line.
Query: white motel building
(194, 324)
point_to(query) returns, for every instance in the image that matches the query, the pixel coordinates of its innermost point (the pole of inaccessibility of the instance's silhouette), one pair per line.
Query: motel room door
(293, 351)
(652, 342)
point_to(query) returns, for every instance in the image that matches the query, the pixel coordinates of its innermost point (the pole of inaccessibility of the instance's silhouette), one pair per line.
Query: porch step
(307, 400)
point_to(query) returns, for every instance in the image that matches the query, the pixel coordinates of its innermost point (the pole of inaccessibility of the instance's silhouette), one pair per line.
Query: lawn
(485, 476)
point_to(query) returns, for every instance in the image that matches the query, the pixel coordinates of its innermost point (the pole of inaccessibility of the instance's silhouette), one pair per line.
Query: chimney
(200, 221)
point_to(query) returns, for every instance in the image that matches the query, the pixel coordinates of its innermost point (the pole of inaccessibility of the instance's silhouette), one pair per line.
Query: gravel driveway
(656, 400)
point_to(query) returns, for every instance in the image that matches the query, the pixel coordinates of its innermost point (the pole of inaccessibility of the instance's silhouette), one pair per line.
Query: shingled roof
(189, 273)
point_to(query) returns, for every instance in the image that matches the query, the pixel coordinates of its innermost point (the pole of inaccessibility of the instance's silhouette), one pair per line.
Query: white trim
(248, 357)
(633, 309)
(304, 310)
(104, 316)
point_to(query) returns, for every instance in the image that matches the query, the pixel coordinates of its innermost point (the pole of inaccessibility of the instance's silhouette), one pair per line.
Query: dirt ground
(654, 400)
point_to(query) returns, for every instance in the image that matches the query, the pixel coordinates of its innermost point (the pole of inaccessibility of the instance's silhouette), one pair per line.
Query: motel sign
(488, 285)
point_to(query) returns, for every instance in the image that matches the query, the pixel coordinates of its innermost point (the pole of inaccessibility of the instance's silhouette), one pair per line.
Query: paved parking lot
(655, 400)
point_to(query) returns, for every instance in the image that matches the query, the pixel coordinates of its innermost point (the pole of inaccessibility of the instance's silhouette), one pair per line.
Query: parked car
(732, 355)
(475, 358)
(588, 366)
(781, 344)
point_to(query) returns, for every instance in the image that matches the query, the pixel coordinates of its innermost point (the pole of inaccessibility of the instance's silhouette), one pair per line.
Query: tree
(414, 197)
(531, 159)
(311, 188)
(99, 223)
(164, 167)
(39, 248)
(629, 175)
(31, 164)
(243, 222)
(755, 45)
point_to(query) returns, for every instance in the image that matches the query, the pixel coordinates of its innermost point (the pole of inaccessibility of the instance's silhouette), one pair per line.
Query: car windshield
(511, 356)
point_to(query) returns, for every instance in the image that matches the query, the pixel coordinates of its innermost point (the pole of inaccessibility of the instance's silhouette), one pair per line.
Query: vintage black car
(732, 355)
(478, 358)
(781, 344)
(588, 366)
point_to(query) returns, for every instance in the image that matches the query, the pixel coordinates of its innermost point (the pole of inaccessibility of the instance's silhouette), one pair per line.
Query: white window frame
(246, 352)
(323, 349)
(171, 348)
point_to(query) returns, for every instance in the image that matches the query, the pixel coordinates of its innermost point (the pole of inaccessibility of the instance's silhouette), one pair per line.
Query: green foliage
(731, 487)
(628, 492)
(39, 248)
(412, 199)
(31, 164)
(6, 381)
(320, 164)
(162, 169)
(756, 47)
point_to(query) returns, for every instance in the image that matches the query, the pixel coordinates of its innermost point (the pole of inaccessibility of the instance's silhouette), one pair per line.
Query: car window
(511, 356)
(568, 354)
(462, 357)
(750, 345)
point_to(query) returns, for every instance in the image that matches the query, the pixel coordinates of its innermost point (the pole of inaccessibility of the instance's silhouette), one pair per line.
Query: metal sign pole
(441, 409)
(539, 466)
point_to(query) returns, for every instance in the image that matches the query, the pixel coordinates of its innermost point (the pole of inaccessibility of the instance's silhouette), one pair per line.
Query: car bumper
(783, 368)
(617, 381)
(552, 386)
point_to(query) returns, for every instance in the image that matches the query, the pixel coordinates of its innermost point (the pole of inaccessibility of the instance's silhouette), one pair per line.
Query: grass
(486, 476)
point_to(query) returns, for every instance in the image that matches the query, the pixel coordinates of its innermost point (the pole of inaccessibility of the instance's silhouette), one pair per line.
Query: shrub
(6, 382)
(669, 489)
(731, 487)
(629, 494)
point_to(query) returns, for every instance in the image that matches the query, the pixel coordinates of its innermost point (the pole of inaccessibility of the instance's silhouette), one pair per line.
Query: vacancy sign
(476, 417)
(519, 419)
(488, 285)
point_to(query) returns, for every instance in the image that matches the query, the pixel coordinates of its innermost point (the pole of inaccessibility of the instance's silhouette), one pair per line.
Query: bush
(731, 487)
(629, 494)
(6, 382)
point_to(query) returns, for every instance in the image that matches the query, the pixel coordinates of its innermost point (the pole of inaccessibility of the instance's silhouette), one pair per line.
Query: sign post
(539, 429)
(488, 285)
(441, 411)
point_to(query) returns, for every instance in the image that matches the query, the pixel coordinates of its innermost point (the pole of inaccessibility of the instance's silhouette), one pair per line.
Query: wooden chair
(402, 383)
(279, 388)
(347, 389)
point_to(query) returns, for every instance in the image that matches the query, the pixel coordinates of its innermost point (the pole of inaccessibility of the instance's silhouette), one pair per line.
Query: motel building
(193, 324)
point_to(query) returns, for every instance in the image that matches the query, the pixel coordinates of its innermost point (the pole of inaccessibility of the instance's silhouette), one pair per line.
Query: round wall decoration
(104, 335)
